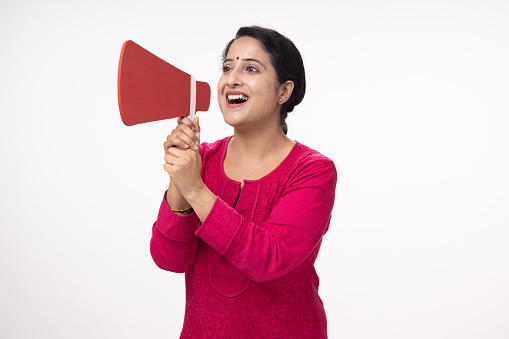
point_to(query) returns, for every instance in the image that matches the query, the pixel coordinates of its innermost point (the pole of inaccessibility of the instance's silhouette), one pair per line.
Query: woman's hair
(286, 60)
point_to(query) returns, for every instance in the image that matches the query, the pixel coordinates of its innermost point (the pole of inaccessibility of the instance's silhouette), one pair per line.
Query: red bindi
(237, 58)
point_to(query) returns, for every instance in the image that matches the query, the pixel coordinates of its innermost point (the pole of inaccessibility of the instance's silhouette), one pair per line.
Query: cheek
(271, 93)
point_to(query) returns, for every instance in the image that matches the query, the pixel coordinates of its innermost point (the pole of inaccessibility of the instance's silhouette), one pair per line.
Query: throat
(251, 163)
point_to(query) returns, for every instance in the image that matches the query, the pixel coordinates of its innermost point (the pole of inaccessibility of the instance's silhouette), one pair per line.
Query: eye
(251, 69)
(226, 69)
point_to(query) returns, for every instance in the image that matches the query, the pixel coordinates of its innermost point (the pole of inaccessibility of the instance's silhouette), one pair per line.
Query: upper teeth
(236, 96)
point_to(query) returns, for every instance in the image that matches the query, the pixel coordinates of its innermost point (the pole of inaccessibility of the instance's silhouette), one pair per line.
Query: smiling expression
(248, 88)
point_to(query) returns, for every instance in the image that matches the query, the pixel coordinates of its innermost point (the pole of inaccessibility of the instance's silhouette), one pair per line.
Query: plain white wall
(409, 98)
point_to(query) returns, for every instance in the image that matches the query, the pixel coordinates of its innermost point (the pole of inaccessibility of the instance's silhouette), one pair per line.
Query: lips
(236, 99)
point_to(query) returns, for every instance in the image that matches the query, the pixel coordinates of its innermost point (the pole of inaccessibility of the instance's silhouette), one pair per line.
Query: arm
(173, 244)
(184, 137)
(290, 234)
(184, 168)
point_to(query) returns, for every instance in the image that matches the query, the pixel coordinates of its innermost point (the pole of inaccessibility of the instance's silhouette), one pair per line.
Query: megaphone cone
(150, 89)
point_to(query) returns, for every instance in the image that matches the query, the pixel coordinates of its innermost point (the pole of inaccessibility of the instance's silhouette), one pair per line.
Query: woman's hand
(183, 162)
(185, 135)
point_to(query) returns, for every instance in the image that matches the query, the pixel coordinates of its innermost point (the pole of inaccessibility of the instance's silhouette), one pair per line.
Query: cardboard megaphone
(150, 89)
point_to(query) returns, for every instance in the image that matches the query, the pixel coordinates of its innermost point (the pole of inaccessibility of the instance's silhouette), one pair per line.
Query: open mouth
(236, 99)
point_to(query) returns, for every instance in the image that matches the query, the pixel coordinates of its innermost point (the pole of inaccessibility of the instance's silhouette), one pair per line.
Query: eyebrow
(247, 59)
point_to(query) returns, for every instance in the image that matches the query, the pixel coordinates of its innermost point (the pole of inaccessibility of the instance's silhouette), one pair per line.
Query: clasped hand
(182, 156)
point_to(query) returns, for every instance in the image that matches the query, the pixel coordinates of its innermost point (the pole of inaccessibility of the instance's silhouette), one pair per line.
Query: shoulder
(306, 158)
(310, 166)
(311, 173)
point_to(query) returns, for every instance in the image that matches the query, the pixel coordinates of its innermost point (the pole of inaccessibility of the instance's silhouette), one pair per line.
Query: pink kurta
(250, 266)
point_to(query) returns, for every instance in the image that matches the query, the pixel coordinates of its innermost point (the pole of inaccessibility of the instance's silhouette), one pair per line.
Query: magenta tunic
(249, 267)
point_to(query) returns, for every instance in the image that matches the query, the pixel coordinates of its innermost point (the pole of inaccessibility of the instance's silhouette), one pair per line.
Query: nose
(234, 78)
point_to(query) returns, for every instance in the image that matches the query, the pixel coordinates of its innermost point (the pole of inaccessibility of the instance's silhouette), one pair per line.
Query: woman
(244, 217)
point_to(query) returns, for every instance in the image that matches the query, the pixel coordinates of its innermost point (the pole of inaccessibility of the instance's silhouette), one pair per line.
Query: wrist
(193, 196)
(185, 211)
(175, 200)
(202, 200)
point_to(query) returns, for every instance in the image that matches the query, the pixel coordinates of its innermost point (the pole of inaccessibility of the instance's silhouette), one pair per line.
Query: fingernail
(195, 147)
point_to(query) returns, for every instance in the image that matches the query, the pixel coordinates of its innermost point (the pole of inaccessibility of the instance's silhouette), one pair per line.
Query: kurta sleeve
(291, 232)
(173, 244)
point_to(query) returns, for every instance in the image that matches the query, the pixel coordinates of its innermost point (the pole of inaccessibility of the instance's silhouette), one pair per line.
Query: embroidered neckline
(224, 146)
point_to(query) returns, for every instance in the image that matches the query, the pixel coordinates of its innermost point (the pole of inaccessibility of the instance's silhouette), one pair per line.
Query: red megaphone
(150, 89)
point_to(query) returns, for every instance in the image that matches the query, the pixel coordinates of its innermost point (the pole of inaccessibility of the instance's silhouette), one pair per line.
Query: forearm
(290, 234)
(202, 200)
(176, 200)
(263, 251)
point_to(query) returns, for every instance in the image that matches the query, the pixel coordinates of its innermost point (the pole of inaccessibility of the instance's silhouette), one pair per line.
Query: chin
(231, 120)
(234, 119)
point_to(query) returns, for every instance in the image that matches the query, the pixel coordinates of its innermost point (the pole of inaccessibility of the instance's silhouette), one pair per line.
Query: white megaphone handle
(192, 104)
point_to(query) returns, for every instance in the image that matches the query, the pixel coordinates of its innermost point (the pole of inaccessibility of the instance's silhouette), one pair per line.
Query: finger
(182, 136)
(169, 159)
(174, 143)
(191, 141)
(167, 168)
(183, 140)
(190, 132)
(196, 123)
(174, 152)
(186, 121)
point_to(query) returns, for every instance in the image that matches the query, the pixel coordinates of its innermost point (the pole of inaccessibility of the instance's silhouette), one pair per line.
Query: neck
(256, 145)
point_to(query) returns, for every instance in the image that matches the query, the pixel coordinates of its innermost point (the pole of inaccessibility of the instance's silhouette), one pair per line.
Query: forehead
(247, 47)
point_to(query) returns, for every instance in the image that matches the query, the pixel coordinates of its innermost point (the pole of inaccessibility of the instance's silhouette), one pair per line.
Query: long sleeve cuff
(176, 227)
(220, 226)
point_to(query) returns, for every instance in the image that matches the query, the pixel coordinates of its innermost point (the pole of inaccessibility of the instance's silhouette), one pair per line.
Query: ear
(285, 91)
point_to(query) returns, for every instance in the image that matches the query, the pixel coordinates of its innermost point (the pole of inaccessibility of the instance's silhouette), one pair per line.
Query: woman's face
(248, 88)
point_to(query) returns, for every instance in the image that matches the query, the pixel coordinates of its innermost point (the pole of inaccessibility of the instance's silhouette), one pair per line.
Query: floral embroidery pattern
(283, 267)
(284, 234)
(319, 195)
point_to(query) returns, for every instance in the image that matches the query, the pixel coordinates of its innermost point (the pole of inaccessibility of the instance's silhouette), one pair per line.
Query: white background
(409, 98)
